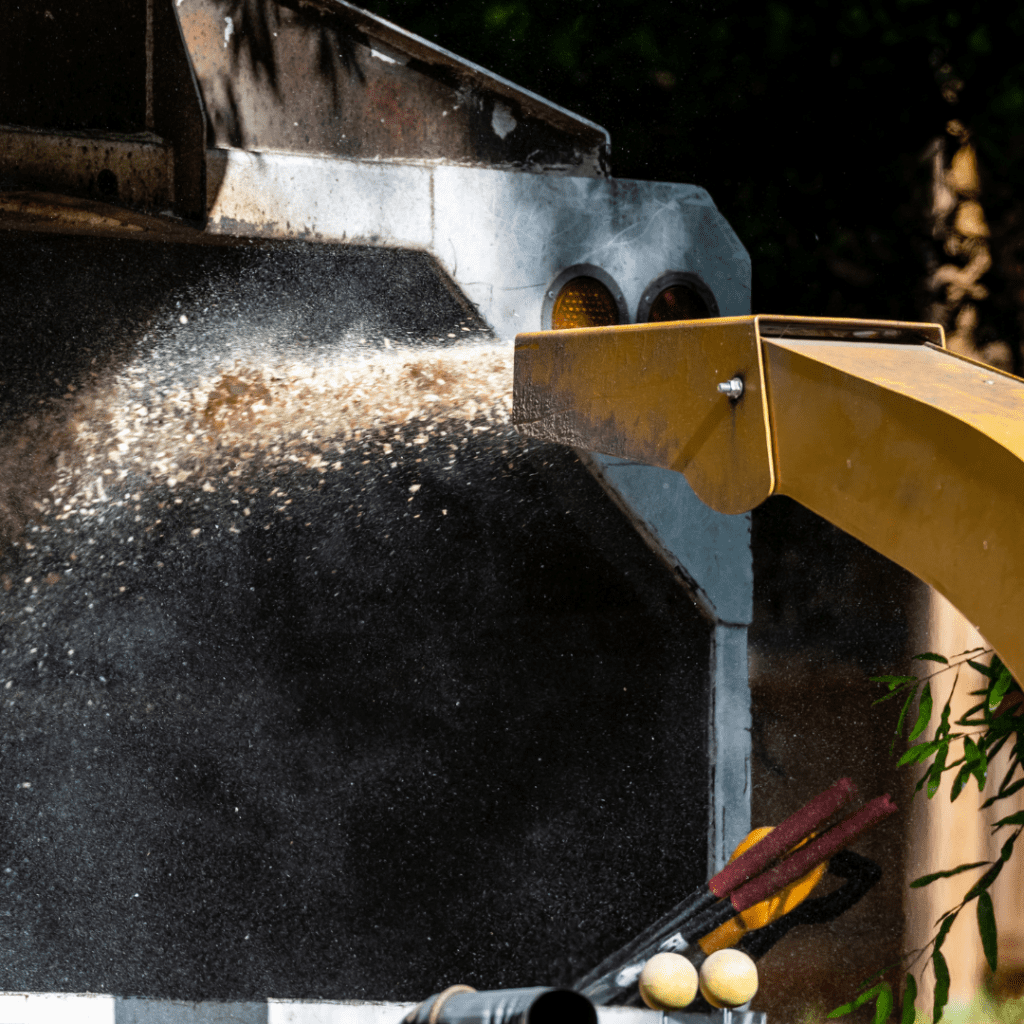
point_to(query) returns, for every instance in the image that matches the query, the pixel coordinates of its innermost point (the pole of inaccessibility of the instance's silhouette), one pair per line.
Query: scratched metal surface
(339, 81)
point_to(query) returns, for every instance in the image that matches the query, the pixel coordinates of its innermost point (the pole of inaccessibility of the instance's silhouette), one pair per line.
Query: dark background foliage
(809, 121)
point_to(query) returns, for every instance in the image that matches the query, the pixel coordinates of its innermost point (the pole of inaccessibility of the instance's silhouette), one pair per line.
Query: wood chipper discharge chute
(874, 425)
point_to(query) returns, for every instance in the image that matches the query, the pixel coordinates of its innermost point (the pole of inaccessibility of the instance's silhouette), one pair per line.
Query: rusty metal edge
(430, 53)
(180, 113)
(49, 213)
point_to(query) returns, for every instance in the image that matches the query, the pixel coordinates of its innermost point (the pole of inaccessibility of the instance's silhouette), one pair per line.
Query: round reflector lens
(584, 302)
(678, 302)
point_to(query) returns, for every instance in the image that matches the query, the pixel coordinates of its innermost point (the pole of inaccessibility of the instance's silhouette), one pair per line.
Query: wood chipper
(322, 686)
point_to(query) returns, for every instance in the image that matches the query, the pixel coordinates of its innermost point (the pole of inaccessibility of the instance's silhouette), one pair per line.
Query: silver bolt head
(733, 388)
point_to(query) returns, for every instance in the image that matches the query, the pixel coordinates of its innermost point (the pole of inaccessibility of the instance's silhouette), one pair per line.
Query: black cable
(861, 874)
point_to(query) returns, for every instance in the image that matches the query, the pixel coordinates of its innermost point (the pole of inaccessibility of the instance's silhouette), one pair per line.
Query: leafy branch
(980, 734)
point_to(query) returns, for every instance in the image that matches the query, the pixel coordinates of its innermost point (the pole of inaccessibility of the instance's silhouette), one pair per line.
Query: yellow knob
(668, 982)
(728, 978)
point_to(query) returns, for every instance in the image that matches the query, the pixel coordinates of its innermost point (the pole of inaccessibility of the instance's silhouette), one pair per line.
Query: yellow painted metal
(920, 454)
(769, 910)
(648, 392)
(872, 424)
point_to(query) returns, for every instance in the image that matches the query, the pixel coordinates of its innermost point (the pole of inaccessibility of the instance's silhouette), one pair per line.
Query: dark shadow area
(821, 592)
(350, 756)
(72, 66)
(829, 613)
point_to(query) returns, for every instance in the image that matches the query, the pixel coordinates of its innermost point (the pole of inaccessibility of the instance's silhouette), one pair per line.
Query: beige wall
(942, 834)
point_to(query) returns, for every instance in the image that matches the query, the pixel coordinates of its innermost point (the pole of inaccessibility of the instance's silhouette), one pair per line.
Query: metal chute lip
(822, 328)
(33, 210)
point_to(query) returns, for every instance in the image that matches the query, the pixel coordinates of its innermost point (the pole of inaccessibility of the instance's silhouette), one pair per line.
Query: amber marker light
(676, 295)
(678, 303)
(584, 302)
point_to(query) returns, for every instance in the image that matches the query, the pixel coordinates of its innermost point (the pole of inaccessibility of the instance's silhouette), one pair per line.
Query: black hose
(860, 873)
(461, 1005)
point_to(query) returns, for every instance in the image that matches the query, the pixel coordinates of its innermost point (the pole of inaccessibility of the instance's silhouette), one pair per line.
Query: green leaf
(883, 1006)
(840, 1011)
(897, 686)
(987, 930)
(1014, 765)
(865, 997)
(895, 681)
(924, 713)
(958, 783)
(965, 718)
(917, 753)
(1007, 850)
(917, 883)
(900, 720)
(943, 729)
(941, 985)
(947, 923)
(985, 670)
(1002, 684)
(1013, 819)
(985, 881)
(977, 762)
(937, 768)
(909, 1011)
(991, 751)
(1004, 793)
(889, 696)
(931, 656)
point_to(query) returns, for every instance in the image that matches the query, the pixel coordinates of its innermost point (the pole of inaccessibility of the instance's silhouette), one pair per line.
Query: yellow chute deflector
(873, 425)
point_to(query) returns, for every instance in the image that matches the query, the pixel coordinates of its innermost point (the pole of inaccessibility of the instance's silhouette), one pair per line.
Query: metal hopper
(319, 679)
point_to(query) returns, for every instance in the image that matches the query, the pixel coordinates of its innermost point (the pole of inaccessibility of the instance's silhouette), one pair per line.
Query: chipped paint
(502, 121)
